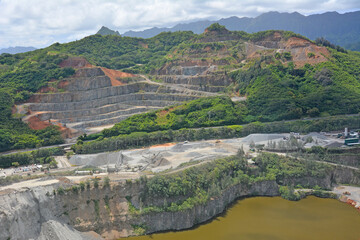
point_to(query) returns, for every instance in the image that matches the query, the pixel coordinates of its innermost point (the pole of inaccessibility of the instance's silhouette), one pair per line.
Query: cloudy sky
(40, 23)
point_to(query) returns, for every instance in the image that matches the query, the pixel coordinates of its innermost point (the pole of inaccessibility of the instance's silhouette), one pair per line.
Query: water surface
(264, 218)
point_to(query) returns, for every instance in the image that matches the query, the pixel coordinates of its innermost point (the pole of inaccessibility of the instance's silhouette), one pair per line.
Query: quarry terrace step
(96, 123)
(84, 112)
(94, 93)
(209, 90)
(154, 103)
(111, 91)
(200, 80)
(86, 83)
(124, 99)
(106, 115)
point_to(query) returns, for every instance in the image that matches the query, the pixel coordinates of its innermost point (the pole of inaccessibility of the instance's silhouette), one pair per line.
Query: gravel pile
(193, 154)
(182, 147)
(261, 137)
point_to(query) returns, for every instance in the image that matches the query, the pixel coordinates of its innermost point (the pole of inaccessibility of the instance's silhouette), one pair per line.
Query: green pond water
(274, 218)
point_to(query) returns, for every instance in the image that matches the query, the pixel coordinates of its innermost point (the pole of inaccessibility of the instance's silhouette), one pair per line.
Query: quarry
(148, 181)
(67, 211)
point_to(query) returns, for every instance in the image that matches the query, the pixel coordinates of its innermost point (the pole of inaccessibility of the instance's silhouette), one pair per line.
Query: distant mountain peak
(17, 49)
(107, 31)
(339, 28)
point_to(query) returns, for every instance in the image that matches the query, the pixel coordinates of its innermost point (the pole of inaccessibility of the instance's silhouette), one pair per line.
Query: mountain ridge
(340, 29)
(107, 31)
(17, 49)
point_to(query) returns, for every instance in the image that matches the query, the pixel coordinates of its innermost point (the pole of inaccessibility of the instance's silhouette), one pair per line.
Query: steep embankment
(164, 202)
(32, 214)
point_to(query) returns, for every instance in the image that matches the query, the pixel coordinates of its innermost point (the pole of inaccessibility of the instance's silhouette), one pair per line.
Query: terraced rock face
(91, 99)
(204, 64)
(97, 96)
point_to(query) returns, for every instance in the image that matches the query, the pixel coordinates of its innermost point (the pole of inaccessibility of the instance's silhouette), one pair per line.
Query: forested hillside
(277, 92)
(278, 84)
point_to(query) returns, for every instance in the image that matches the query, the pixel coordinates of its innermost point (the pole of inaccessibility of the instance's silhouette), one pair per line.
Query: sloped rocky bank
(61, 211)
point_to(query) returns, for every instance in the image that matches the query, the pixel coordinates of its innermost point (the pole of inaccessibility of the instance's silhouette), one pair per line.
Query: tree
(15, 164)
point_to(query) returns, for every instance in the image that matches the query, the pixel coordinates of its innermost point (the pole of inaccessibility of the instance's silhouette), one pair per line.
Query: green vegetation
(16, 178)
(41, 156)
(20, 76)
(15, 134)
(106, 31)
(196, 185)
(96, 208)
(323, 42)
(96, 182)
(349, 157)
(216, 27)
(139, 229)
(118, 52)
(23, 74)
(278, 92)
(205, 112)
(140, 139)
(289, 193)
(106, 182)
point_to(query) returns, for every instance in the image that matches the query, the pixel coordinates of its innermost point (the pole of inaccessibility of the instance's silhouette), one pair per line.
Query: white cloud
(40, 23)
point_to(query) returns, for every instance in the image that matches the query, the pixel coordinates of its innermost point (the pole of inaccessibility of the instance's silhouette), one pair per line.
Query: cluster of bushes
(323, 42)
(17, 135)
(349, 157)
(16, 178)
(278, 92)
(41, 156)
(196, 185)
(204, 112)
(118, 52)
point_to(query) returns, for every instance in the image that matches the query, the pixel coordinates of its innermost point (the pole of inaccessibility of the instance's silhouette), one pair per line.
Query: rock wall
(337, 174)
(36, 212)
(186, 219)
(346, 175)
(202, 80)
(23, 212)
(89, 99)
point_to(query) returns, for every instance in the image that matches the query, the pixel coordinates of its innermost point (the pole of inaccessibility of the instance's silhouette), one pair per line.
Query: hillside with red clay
(97, 96)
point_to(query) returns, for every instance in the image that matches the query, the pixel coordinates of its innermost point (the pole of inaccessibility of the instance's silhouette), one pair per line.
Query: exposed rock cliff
(93, 97)
(37, 213)
(186, 219)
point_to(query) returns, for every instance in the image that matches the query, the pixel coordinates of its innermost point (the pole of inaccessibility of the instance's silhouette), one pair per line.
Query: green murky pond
(264, 218)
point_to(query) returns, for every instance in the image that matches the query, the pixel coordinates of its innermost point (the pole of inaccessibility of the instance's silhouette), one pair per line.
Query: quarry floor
(169, 157)
(166, 158)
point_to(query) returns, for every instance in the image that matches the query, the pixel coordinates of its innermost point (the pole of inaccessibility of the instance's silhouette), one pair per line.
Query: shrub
(106, 182)
(60, 191)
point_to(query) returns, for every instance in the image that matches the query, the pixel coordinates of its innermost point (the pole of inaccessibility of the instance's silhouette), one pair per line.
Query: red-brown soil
(114, 76)
(35, 123)
(298, 47)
